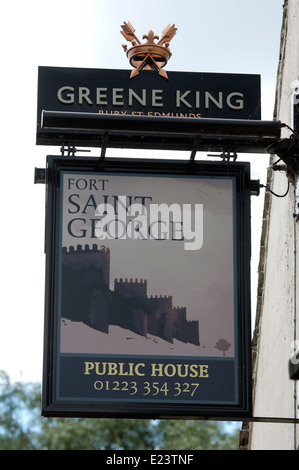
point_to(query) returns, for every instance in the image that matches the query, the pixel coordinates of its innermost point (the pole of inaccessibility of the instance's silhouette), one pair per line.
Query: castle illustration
(86, 297)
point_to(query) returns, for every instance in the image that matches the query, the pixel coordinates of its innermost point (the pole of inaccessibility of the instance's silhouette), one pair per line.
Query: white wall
(275, 395)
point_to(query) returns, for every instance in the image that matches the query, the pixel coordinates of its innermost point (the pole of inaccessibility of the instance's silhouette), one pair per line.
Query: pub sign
(147, 289)
(111, 92)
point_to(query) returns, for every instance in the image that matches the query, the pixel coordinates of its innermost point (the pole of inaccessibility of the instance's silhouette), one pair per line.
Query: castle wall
(86, 297)
(131, 288)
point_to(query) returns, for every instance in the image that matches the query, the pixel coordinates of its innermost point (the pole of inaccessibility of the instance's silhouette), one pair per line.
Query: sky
(231, 36)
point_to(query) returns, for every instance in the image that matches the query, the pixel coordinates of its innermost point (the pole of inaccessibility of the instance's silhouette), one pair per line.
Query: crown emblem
(150, 55)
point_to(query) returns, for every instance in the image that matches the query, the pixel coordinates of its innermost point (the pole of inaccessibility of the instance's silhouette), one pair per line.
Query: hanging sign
(147, 294)
(105, 91)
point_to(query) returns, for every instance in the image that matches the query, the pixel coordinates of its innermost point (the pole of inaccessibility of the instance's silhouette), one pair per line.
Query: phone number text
(147, 388)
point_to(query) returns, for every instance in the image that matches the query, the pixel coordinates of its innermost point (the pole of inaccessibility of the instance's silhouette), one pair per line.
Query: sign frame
(53, 404)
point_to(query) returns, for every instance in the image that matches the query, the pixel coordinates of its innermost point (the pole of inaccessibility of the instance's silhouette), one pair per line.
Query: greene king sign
(185, 101)
(190, 95)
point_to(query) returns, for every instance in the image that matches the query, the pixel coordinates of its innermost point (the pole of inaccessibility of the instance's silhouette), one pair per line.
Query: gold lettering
(193, 370)
(88, 367)
(97, 370)
(180, 372)
(157, 369)
(121, 369)
(98, 385)
(112, 368)
(131, 368)
(203, 371)
(137, 368)
(170, 373)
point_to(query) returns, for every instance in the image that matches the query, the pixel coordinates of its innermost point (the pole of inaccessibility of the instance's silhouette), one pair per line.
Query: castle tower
(129, 305)
(88, 258)
(159, 317)
(184, 330)
(85, 292)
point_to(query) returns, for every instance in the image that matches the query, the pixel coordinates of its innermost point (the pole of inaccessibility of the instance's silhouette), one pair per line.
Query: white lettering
(195, 237)
(181, 98)
(70, 96)
(117, 97)
(137, 228)
(161, 223)
(239, 103)
(102, 96)
(157, 99)
(161, 213)
(84, 94)
(132, 95)
(211, 98)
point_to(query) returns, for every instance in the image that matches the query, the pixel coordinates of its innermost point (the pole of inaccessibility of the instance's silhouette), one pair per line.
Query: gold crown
(150, 55)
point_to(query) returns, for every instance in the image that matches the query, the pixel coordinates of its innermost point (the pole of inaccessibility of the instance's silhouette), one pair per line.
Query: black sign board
(147, 289)
(111, 92)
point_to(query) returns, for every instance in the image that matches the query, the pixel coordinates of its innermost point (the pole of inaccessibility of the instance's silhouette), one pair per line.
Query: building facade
(275, 396)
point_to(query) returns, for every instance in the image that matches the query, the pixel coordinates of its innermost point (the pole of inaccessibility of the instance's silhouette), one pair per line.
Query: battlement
(130, 287)
(126, 281)
(179, 309)
(160, 297)
(87, 249)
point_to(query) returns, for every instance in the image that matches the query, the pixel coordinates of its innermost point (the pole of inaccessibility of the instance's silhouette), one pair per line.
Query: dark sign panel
(147, 295)
(101, 91)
